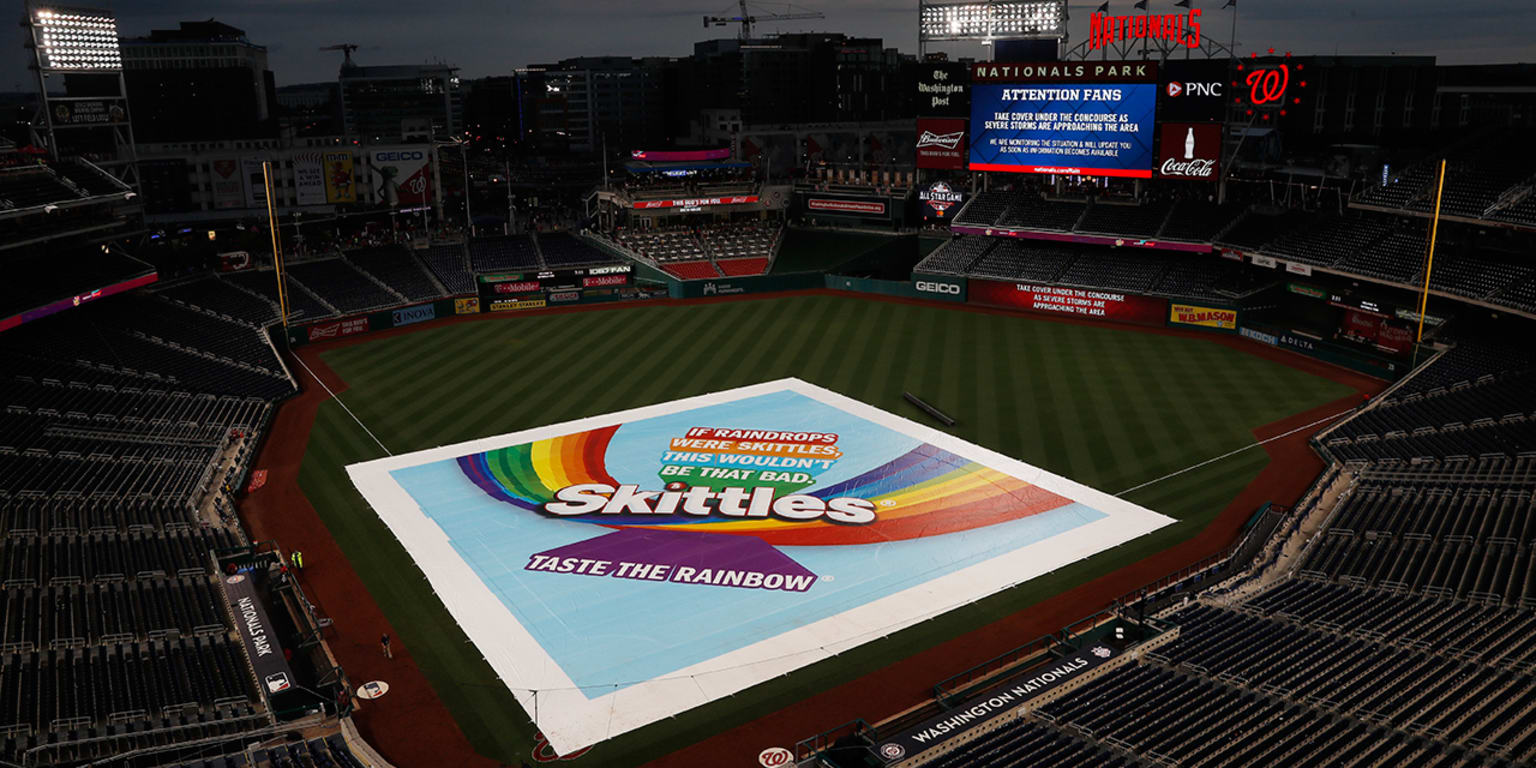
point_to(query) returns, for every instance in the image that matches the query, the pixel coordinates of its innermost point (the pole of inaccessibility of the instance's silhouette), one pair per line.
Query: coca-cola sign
(1190, 151)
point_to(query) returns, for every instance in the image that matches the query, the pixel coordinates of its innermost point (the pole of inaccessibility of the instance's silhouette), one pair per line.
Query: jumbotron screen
(1082, 121)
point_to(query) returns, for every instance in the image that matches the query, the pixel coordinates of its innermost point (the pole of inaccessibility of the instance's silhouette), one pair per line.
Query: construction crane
(746, 19)
(346, 53)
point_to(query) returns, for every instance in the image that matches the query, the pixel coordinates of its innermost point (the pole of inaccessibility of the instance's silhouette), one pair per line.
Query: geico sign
(929, 287)
(387, 157)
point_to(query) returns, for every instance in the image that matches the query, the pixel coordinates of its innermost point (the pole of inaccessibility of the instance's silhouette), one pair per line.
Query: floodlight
(76, 39)
(997, 20)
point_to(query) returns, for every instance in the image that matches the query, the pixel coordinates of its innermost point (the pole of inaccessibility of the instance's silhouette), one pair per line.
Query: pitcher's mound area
(621, 569)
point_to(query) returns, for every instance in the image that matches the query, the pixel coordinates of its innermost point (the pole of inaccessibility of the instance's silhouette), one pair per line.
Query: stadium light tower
(83, 42)
(991, 20)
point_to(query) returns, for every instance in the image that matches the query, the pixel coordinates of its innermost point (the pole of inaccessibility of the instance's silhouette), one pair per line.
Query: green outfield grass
(1109, 408)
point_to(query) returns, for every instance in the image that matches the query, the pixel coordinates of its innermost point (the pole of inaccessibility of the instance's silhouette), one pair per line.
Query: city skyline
(495, 38)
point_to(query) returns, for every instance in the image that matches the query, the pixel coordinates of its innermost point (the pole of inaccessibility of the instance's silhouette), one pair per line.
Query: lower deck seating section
(499, 254)
(396, 267)
(1401, 633)
(1024, 260)
(302, 305)
(123, 424)
(106, 337)
(663, 246)
(216, 296)
(741, 267)
(956, 256)
(691, 270)
(562, 249)
(341, 285)
(449, 263)
(740, 241)
(1450, 537)
(1030, 743)
(315, 752)
(1134, 272)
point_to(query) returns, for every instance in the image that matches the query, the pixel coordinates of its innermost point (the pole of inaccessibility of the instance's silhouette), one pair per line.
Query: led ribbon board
(620, 569)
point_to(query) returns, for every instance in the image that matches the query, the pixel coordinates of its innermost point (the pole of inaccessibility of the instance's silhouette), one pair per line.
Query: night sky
(486, 37)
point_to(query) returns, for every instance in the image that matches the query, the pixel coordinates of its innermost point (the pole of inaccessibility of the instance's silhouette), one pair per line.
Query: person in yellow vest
(297, 559)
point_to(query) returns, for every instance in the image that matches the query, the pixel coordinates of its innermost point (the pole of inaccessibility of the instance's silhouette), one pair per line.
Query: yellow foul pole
(1429, 266)
(277, 251)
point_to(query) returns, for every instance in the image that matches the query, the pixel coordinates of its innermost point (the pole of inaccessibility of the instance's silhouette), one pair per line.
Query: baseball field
(1113, 408)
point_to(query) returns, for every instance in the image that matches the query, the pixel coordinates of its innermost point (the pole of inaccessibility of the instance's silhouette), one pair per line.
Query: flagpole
(1232, 41)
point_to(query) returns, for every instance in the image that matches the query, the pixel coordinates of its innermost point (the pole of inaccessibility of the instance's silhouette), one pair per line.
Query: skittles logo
(762, 483)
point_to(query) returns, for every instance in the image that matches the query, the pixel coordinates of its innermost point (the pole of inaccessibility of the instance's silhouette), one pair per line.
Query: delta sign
(620, 569)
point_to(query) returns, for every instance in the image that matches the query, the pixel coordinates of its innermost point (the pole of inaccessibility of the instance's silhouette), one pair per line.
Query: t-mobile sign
(1190, 151)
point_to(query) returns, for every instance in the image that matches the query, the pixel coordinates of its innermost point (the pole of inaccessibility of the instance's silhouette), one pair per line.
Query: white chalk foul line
(1229, 454)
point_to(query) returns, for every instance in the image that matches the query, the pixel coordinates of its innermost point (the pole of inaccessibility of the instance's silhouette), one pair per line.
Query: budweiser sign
(941, 143)
(947, 140)
(1190, 151)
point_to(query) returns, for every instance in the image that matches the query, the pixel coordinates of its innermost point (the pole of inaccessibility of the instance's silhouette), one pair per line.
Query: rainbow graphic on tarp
(927, 491)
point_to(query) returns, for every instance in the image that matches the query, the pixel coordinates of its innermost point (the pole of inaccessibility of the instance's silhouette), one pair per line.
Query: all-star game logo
(1269, 85)
(940, 197)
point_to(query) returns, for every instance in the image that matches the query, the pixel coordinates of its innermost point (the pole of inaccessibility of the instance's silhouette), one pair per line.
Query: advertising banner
(941, 143)
(258, 634)
(856, 207)
(228, 186)
(681, 156)
(411, 315)
(695, 202)
(511, 305)
(1193, 91)
(91, 112)
(339, 181)
(470, 306)
(680, 289)
(943, 90)
(597, 281)
(940, 201)
(1205, 317)
(945, 287)
(338, 328)
(309, 178)
(255, 182)
(563, 297)
(234, 261)
(1079, 302)
(1190, 151)
(991, 704)
(780, 505)
(401, 176)
(1263, 261)
(524, 286)
(1386, 334)
(1296, 268)
(1072, 128)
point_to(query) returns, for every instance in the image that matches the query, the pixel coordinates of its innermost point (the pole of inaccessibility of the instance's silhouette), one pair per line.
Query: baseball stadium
(1119, 396)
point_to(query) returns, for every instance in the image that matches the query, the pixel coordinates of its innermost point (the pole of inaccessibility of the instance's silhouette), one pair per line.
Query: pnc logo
(932, 287)
(1176, 89)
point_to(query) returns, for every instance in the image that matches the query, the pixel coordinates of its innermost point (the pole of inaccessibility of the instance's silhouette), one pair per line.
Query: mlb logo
(278, 683)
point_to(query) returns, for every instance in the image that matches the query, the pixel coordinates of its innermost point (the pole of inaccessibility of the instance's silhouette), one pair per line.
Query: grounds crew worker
(297, 558)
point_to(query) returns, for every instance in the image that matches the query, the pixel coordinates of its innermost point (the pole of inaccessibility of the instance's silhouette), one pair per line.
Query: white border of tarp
(571, 721)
